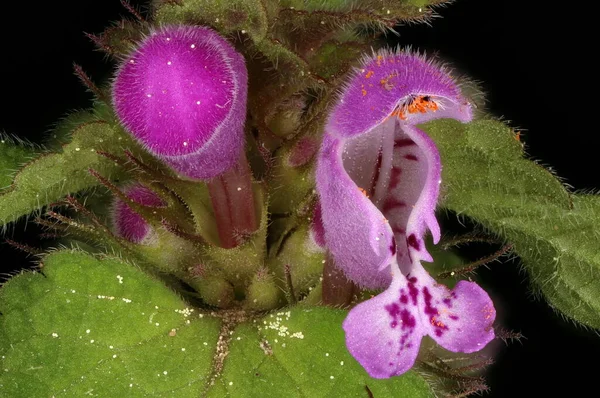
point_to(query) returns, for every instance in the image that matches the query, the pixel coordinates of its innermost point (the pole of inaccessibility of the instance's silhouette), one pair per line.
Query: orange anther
(369, 74)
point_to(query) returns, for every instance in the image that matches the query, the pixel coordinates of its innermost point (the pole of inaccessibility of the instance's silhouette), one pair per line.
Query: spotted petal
(385, 332)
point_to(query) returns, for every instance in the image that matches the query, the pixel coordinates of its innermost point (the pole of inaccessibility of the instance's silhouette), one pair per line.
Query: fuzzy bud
(182, 94)
(129, 224)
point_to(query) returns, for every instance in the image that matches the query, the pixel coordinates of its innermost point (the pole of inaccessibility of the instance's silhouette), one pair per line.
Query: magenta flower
(182, 94)
(378, 179)
(130, 225)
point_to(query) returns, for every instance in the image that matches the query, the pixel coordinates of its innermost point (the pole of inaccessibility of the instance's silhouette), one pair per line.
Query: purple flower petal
(372, 146)
(356, 232)
(378, 180)
(405, 85)
(182, 94)
(127, 223)
(316, 232)
(460, 320)
(384, 333)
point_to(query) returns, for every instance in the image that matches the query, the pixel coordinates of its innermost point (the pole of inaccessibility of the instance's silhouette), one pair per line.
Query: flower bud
(130, 225)
(182, 94)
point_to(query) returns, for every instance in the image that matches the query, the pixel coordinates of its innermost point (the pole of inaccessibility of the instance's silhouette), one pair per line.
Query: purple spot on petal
(429, 309)
(402, 142)
(413, 242)
(448, 302)
(408, 320)
(393, 246)
(398, 230)
(377, 172)
(404, 299)
(394, 311)
(433, 313)
(394, 177)
(413, 292)
(392, 203)
(454, 317)
(410, 156)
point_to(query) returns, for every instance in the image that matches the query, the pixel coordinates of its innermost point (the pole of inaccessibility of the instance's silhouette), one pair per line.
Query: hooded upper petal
(182, 94)
(402, 84)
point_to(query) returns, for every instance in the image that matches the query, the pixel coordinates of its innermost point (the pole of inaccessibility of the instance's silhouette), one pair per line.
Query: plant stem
(233, 204)
(337, 289)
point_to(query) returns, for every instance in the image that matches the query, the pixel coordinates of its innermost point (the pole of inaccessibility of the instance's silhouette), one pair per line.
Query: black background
(522, 52)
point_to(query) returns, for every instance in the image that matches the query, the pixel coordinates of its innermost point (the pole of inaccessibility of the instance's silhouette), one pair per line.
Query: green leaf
(100, 327)
(13, 155)
(486, 178)
(302, 353)
(53, 175)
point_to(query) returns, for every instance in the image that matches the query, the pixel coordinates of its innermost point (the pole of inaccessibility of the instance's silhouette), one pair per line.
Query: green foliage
(301, 353)
(101, 326)
(486, 178)
(13, 155)
(249, 16)
(111, 330)
(53, 175)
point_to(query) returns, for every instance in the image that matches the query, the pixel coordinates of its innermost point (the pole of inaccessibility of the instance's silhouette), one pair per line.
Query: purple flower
(182, 94)
(130, 225)
(378, 179)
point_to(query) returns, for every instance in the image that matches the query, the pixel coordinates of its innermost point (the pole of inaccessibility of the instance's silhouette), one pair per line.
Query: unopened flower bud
(182, 95)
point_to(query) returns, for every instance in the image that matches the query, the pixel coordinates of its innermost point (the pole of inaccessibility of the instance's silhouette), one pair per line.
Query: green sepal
(264, 292)
(351, 14)
(168, 252)
(293, 185)
(214, 291)
(334, 58)
(121, 38)
(303, 258)
(62, 134)
(196, 197)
